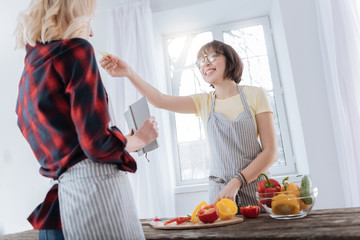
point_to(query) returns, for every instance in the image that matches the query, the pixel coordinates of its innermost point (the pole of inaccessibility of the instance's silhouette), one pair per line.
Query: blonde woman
(62, 113)
(235, 118)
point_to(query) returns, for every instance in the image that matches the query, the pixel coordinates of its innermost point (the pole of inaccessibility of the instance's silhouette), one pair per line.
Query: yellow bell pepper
(194, 217)
(227, 209)
(303, 206)
(291, 188)
(284, 204)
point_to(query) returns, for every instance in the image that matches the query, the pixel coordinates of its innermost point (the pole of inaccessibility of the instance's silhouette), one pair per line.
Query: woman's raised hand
(115, 66)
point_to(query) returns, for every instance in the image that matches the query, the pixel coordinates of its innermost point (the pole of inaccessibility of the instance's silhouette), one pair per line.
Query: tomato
(250, 211)
(208, 214)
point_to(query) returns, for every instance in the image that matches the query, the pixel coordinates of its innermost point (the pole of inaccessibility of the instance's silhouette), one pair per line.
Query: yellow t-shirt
(233, 106)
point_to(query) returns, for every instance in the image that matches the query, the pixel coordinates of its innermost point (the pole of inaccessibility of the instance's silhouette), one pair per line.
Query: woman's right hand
(147, 133)
(115, 66)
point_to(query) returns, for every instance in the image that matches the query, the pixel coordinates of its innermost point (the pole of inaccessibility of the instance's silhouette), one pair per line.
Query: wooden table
(319, 224)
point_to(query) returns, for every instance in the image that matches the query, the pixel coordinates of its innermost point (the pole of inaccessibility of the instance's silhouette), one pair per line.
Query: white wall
(19, 177)
(301, 32)
(298, 51)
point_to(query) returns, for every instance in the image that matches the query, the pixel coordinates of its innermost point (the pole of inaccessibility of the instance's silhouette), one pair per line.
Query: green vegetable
(305, 193)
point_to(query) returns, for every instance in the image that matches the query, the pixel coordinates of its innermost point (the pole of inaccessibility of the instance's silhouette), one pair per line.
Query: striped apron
(96, 202)
(233, 146)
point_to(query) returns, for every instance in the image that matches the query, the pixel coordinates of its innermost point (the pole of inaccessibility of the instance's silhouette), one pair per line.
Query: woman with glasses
(62, 113)
(234, 116)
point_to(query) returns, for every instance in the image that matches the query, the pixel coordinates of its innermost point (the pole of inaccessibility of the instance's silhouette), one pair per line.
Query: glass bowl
(288, 205)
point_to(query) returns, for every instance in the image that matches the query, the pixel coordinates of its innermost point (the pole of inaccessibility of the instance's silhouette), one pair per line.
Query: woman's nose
(206, 61)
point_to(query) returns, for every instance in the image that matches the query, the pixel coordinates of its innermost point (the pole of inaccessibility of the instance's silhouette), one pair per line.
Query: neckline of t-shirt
(229, 98)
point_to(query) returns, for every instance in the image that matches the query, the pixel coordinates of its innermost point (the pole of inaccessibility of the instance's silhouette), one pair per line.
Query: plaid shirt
(62, 113)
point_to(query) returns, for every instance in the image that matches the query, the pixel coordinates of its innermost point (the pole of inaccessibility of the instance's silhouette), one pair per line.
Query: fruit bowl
(288, 205)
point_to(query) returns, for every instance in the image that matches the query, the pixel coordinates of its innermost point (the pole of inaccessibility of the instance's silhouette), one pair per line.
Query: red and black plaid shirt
(62, 113)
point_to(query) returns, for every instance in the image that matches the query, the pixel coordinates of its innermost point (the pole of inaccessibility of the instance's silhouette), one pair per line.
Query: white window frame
(290, 167)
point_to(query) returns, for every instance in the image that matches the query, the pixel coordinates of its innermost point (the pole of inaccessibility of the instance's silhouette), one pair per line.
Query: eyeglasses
(210, 57)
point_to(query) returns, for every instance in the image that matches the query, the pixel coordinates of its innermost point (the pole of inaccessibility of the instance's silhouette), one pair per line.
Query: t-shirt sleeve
(202, 104)
(262, 102)
(197, 100)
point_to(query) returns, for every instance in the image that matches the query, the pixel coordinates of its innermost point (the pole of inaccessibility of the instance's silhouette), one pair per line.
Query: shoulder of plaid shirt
(62, 113)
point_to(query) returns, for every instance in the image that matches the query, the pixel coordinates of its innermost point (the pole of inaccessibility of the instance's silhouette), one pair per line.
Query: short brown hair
(234, 66)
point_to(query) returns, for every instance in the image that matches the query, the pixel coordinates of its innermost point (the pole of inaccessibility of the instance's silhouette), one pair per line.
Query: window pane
(186, 80)
(193, 160)
(249, 43)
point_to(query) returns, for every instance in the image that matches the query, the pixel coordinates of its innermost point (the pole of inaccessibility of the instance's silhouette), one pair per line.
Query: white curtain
(339, 28)
(130, 37)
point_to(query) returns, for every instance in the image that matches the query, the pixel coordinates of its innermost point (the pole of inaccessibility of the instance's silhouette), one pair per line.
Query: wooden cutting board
(190, 225)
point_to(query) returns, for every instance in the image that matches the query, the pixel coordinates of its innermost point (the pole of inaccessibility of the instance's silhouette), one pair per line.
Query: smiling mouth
(208, 72)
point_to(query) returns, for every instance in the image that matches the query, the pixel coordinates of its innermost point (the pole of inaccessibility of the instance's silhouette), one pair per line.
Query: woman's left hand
(229, 191)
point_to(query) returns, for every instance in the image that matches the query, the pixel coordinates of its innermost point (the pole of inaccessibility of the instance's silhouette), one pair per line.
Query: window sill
(292, 177)
(203, 187)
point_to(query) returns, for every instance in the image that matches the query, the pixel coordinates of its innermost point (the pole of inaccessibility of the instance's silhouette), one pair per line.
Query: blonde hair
(49, 20)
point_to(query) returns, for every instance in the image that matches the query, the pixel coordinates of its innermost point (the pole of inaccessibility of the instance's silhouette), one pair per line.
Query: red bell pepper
(170, 221)
(178, 220)
(267, 189)
(250, 211)
(183, 219)
(208, 214)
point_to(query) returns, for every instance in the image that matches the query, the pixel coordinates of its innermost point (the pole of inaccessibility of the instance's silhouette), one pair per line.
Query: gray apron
(96, 202)
(233, 146)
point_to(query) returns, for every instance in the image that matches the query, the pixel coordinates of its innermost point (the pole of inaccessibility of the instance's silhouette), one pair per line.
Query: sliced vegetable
(267, 189)
(194, 217)
(227, 209)
(305, 193)
(250, 211)
(208, 214)
(182, 220)
(285, 204)
(170, 221)
(105, 54)
(178, 220)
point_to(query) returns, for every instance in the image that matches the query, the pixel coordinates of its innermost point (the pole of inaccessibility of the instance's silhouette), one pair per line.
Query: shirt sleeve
(88, 100)
(203, 103)
(262, 102)
(197, 101)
